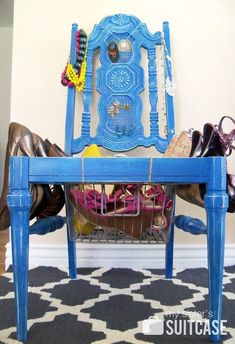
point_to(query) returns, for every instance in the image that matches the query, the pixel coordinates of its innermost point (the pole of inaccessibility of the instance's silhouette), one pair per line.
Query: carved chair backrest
(120, 79)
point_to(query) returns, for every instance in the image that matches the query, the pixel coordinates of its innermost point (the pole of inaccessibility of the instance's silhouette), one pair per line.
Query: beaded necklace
(74, 75)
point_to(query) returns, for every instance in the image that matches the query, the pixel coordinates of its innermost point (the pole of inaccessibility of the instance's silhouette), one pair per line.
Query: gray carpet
(110, 305)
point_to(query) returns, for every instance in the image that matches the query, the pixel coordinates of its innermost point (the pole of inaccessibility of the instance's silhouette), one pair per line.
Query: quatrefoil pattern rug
(109, 306)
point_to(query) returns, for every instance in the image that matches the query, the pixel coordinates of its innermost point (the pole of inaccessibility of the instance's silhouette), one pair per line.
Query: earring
(113, 52)
(124, 45)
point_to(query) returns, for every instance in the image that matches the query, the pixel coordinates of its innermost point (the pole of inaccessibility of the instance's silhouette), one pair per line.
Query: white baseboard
(121, 255)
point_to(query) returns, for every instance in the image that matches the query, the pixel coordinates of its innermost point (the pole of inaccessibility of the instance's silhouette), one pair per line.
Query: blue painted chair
(122, 80)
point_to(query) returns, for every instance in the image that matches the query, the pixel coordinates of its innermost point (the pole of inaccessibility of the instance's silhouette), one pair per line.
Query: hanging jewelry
(126, 106)
(124, 45)
(113, 52)
(115, 108)
(74, 75)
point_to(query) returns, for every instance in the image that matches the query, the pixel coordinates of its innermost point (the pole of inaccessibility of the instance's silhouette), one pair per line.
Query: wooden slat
(109, 170)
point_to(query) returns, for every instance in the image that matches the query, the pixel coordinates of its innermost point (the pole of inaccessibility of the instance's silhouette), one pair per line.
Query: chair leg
(169, 255)
(71, 243)
(169, 250)
(19, 203)
(72, 257)
(216, 206)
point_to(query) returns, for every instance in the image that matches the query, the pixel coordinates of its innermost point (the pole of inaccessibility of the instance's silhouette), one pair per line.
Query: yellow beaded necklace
(77, 81)
(71, 77)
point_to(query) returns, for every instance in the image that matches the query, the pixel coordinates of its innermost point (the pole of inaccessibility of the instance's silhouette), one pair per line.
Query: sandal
(227, 139)
(161, 220)
(132, 226)
(148, 210)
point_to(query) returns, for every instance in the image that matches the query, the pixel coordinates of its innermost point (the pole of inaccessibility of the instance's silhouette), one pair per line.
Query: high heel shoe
(220, 144)
(191, 192)
(204, 145)
(46, 200)
(54, 198)
(52, 150)
(128, 209)
(20, 142)
(196, 146)
(212, 143)
(215, 143)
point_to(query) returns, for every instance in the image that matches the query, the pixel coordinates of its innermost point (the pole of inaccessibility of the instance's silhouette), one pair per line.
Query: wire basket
(120, 213)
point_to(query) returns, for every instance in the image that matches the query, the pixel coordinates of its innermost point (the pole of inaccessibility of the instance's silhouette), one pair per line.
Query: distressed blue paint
(70, 110)
(190, 225)
(211, 170)
(168, 72)
(153, 96)
(71, 242)
(71, 170)
(169, 254)
(124, 131)
(24, 170)
(19, 201)
(72, 257)
(69, 131)
(169, 249)
(47, 225)
(216, 204)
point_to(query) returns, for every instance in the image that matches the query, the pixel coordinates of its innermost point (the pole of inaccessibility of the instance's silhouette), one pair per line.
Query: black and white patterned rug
(107, 306)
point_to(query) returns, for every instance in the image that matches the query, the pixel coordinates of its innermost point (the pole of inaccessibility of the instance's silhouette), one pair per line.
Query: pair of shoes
(22, 142)
(221, 144)
(127, 209)
(191, 192)
(119, 210)
(213, 142)
(202, 145)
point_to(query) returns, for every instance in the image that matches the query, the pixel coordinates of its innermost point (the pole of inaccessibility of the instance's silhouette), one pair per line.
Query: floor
(4, 238)
(112, 305)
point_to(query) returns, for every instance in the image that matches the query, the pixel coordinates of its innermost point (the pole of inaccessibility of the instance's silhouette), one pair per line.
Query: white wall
(5, 90)
(203, 51)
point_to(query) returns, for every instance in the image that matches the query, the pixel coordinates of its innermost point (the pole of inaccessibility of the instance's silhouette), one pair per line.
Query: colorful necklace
(74, 75)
